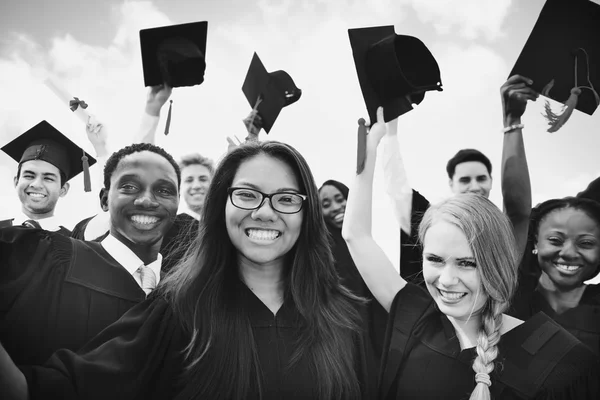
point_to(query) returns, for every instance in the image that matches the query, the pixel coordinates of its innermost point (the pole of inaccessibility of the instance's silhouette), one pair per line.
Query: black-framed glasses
(251, 199)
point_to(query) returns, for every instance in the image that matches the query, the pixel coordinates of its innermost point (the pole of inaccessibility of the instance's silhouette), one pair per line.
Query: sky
(93, 49)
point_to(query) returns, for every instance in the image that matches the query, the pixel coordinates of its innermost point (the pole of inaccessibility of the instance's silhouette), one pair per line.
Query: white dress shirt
(50, 224)
(129, 260)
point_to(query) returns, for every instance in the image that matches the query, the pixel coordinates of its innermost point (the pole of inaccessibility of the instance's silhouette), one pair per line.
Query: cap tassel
(87, 182)
(361, 148)
(168, 124)
(557, 120)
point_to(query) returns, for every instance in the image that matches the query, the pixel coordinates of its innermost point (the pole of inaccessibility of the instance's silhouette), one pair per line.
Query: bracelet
(512, 128)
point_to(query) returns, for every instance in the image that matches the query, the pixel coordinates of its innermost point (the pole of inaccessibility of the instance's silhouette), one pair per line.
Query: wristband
(512, 128)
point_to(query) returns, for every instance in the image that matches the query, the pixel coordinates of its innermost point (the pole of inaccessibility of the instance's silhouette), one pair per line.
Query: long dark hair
(221, 357)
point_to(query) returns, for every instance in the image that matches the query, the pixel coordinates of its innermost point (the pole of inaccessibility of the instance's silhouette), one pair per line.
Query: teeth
(339, 217)
(451, 295)
(144, 219)
(36, 195)
(565, 267)
(261, 234)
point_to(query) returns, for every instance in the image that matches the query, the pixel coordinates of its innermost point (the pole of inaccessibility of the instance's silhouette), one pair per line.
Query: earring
(534, 251)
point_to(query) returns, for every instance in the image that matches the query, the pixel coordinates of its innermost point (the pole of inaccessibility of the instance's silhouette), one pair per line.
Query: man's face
(471, 177)
(195, 180)
(142, 199)
(38, 187)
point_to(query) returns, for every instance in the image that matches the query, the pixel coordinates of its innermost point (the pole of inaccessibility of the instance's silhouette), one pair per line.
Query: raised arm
(156, 98)
(516, 185)
(396, 182)
(374, 266)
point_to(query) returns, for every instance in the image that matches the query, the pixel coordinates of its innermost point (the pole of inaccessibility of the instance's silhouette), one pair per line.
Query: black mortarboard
(394, 71)
(563, 53)
(46, 143)
(174, 54)
(275, 89)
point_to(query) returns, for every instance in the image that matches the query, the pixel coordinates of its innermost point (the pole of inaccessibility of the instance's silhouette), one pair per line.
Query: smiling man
(59, 292)
(47, 161)
(196, 174)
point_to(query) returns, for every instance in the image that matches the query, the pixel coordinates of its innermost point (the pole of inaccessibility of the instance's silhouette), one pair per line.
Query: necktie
(148, 279)
(32, 224)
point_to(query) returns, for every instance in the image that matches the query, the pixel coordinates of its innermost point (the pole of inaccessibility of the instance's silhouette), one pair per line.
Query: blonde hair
(491, 239)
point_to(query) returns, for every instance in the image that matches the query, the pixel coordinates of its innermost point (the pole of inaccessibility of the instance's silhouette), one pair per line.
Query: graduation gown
(140, 357)
(537, 359)
(5, 223)
(411, 259)
(57, 292)
(583, 321)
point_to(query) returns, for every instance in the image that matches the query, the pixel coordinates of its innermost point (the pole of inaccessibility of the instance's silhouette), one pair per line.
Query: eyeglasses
(250, 199)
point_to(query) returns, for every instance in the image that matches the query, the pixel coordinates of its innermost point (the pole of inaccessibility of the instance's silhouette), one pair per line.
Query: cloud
(471, 18)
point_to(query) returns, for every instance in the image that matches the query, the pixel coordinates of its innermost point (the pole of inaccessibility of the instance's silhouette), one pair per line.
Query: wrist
(511, 120)
(152, 110)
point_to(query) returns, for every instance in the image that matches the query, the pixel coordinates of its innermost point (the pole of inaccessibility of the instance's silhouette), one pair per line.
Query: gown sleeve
(411, 304)
(139, 356)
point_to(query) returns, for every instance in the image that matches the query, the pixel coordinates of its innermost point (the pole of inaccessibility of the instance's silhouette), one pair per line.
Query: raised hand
(156, 98)
(515, 93)
(97, 135)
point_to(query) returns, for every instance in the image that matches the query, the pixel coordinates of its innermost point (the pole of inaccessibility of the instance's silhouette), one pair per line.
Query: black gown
(57, 292)
(5, 223)
(583, 321)
(411, 258)
(140, 357)
(175, 242)
(374, 316)
(537, 359)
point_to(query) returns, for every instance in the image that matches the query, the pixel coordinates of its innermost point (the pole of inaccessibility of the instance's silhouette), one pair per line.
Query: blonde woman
(453, 341)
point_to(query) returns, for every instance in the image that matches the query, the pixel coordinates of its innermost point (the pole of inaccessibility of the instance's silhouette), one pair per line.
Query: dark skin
(142, 200)
(516, 184)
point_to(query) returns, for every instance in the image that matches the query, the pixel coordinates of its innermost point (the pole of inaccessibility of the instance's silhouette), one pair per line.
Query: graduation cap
(562, 57)
(268, 92)
(175, 54)
(46, 143)
(394, 71)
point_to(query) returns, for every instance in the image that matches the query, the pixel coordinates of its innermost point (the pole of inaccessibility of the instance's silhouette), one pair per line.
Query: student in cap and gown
(559, 240)
(47, 161)
(455, 333)
(239, 319)
(59, 292)
(172, 57)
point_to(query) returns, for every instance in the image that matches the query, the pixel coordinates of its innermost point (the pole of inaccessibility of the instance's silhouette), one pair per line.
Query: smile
(262, 234)
(37, 195)
(569, 269)
(339, 217)
(144, 219)
(451, 297)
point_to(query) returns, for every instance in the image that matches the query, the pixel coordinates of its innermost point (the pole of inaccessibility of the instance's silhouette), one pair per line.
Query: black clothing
(537, 359)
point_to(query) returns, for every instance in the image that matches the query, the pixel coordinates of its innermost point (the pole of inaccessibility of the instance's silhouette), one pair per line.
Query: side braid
(487, 351)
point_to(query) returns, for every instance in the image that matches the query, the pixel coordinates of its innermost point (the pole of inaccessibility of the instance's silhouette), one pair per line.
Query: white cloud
(471, 18)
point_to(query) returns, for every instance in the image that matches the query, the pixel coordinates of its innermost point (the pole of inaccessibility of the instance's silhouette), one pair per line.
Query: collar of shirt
(50, 223)
(128, 259)
(183, 208)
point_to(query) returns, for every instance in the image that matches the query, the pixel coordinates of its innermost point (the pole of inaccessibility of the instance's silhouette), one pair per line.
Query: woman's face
(263, 236)
(568, 245)
(450, 271)
(333, 205)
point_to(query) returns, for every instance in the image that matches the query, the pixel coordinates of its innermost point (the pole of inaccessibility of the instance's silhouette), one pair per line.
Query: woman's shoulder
(539, 356)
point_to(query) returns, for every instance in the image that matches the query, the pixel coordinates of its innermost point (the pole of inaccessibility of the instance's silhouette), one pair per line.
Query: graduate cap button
(46, 143)
(270, 90)
(394, 71)
(175, 54)
(563, 53)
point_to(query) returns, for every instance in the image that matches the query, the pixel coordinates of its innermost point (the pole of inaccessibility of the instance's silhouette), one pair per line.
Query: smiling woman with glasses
(256, 310)
(251, 199)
